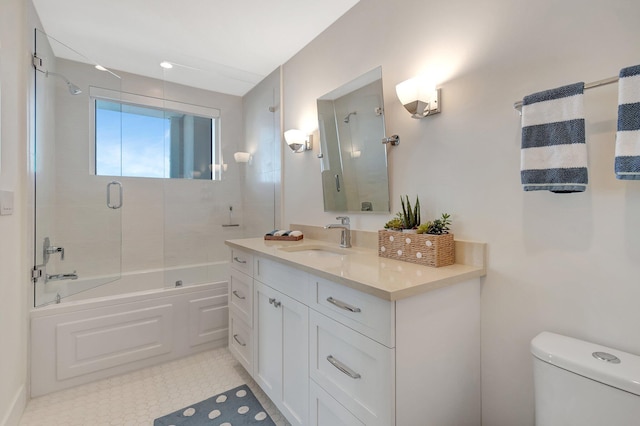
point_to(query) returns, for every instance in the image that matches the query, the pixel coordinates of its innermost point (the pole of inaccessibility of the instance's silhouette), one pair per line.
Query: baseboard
(12, 417)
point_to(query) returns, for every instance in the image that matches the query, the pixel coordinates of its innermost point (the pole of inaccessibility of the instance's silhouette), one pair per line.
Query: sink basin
(317, 250)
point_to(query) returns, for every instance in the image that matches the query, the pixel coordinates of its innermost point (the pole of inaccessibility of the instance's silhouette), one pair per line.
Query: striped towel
(554, 153)
(627, 163)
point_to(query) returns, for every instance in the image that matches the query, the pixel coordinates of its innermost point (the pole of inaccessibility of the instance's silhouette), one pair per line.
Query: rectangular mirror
(354, 159)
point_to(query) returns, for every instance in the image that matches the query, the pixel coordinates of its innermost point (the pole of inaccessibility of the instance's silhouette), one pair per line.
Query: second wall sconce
(419, 96)
(298, 141)
(242, 157)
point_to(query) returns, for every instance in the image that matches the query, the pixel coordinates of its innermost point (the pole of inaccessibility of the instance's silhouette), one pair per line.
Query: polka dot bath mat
(235, 407)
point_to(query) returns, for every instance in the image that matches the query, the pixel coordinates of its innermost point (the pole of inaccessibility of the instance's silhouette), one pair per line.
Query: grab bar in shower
(119, 185)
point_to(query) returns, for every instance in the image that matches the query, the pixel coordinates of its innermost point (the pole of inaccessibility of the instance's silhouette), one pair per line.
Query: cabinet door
(281, 364)
(295, 357)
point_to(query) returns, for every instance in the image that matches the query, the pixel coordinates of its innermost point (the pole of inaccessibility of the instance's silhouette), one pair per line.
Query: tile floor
(139, 397)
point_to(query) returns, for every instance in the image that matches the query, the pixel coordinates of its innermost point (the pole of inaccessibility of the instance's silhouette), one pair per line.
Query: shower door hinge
(38, 63)
(36, 274)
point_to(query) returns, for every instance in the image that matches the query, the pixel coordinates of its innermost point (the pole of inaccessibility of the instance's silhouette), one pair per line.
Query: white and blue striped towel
(627, 163)
(554, 153)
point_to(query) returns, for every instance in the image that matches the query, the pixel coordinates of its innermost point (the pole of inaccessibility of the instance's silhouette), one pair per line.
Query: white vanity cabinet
(329, 355)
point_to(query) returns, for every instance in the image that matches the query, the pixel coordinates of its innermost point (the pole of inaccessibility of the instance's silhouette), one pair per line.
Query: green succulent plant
(410, 216)
(395, 223)
(437, 226)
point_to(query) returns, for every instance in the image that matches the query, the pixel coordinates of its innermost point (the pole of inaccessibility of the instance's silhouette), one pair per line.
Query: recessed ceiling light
(165, 64)
(100, 68)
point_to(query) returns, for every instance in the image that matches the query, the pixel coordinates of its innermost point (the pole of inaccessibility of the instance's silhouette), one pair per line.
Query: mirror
(354, 159)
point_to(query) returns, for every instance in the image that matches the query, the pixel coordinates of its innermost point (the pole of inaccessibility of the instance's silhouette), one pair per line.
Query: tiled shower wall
(163, 222)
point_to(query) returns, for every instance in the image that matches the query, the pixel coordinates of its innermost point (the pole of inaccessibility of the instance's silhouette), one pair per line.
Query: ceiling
(223, 46)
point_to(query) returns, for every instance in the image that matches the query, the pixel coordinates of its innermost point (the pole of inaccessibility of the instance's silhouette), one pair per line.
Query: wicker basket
(424, 249)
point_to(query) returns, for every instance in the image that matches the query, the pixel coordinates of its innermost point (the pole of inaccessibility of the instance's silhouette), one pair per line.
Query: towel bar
(604, 82)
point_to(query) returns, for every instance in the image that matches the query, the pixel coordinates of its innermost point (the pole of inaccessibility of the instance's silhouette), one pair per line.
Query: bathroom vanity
(343, 337)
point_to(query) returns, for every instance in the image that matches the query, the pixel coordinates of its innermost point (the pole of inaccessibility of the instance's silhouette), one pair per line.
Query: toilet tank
(574, 387)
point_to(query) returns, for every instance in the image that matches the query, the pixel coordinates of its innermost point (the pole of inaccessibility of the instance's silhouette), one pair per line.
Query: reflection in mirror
(354, 160)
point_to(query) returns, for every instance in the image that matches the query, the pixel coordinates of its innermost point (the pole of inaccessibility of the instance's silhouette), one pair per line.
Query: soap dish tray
(283, 238)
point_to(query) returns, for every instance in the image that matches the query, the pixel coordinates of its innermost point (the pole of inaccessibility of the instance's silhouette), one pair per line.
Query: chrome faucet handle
(344, 220)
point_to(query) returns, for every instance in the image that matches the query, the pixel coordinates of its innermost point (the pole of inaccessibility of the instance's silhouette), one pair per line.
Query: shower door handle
(119, 185)
(338, 183)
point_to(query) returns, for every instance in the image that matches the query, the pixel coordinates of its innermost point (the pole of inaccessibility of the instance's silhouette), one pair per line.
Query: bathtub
(139, 320)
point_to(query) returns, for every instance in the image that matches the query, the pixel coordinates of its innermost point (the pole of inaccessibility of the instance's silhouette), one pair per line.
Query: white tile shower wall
(164, 222)
(565, 263)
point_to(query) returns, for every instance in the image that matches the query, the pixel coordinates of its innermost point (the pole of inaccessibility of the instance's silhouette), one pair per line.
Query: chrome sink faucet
(345, 237)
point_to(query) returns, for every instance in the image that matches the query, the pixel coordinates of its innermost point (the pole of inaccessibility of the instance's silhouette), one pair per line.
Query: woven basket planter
(424, 249)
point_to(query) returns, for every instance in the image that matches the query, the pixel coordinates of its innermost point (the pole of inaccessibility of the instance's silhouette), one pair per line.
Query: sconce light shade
(419, 97)
(242, 157)
(297, 140)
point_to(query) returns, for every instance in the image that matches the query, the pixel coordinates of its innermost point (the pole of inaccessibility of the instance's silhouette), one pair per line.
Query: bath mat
(235, 407)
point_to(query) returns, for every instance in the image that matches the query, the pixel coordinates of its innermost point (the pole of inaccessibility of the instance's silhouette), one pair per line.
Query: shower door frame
(54, 204)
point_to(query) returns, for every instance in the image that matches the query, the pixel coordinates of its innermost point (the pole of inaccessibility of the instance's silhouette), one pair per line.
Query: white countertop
(363, 270)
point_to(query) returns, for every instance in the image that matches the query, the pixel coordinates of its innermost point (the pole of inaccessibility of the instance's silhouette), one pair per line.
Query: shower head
(348, 117)
(73, 89)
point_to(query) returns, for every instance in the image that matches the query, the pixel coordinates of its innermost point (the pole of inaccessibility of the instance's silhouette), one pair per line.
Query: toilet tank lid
(577, 356)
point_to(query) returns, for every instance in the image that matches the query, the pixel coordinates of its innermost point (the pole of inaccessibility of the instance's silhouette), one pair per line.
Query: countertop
(363, 270)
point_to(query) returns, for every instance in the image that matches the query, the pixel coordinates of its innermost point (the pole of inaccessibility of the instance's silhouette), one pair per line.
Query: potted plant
(408, 219)
(432, 246)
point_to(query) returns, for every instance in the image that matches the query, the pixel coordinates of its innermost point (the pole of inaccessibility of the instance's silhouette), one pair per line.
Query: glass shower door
(78, 223)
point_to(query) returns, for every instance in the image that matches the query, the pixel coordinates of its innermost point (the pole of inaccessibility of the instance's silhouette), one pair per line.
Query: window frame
(98, 93)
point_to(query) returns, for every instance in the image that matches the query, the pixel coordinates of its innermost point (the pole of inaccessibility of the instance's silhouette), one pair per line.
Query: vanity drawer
(290, 281)
(354, 369)
(241, 342)
(242, 261)
(370, 315)
(241, 296)
(326, 411)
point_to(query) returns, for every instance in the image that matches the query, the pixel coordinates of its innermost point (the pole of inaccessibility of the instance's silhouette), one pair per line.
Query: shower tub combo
(94, 335)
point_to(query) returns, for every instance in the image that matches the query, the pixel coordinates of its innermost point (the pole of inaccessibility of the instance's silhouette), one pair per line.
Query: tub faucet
(345, 237)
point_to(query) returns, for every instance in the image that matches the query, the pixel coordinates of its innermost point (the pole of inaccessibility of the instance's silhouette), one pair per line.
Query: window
(139, 136)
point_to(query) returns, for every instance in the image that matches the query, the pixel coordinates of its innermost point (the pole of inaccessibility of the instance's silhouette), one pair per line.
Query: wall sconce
(419, 96)
(298, 141)
(242, 157)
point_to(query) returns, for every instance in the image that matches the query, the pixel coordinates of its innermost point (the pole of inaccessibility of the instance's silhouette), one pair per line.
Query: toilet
(578, 383)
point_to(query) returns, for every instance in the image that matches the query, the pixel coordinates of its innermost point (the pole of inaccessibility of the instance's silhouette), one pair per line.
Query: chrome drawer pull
(240, 342)
(340, 366)
(236, 294)
(343, 305)
(237, 259)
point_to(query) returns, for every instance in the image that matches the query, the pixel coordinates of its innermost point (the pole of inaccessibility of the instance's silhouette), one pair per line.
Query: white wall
(564, 263)
(14, 60)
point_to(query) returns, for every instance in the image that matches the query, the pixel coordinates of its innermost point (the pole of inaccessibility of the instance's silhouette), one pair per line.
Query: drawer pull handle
(236, 294)
(237, 259)
(342, 305)
(240, 342)
(340, 366)
(274, 302)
